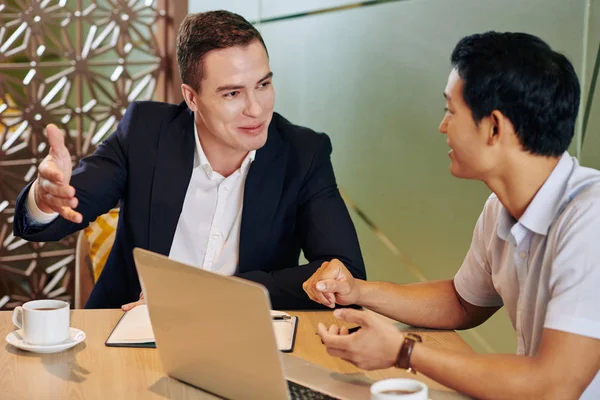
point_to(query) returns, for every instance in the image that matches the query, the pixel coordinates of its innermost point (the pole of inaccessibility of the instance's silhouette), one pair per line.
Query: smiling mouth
(253, 129)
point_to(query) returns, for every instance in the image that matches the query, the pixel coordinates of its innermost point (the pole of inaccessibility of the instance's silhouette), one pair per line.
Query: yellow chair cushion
(100, 235)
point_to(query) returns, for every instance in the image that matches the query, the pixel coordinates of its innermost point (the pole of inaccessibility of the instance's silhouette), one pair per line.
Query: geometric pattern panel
(76, 64)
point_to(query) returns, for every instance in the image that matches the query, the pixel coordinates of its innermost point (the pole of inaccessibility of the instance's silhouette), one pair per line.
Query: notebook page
(134, 327)
(284, 333)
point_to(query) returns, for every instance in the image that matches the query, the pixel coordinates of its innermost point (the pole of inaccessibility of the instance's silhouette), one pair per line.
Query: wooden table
(93, 371)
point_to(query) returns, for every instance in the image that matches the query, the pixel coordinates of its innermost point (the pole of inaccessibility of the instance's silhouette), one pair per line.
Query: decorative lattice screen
(77, 64)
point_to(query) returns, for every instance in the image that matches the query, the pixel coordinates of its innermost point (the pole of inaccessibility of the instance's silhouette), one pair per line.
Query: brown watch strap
(403, 359)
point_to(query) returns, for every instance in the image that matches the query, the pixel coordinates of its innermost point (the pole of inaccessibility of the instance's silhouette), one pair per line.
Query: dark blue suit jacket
(291, 202)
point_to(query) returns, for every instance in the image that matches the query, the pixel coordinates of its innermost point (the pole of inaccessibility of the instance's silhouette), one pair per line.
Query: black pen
(280, 317)
(352, 330)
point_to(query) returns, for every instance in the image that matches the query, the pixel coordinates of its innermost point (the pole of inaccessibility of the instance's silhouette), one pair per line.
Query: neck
(520, 179)
(222, 159)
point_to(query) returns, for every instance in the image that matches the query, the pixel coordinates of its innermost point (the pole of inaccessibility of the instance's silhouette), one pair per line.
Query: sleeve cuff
(37, 216)
(578, 326)
(474, 299)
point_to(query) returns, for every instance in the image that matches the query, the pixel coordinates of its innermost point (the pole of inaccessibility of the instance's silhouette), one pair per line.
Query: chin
(455, 170)
(256, 142)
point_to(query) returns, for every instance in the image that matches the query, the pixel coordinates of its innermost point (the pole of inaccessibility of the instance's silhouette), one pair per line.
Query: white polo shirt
(545, 267)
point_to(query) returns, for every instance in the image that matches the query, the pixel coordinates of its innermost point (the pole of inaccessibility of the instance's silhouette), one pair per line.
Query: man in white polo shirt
(510, 116)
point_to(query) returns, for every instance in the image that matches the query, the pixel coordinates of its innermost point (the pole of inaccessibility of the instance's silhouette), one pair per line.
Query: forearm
(429, 305)
(490, 376)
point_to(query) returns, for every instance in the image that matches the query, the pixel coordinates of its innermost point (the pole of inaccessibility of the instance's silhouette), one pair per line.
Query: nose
(443, 128)
(252, 108)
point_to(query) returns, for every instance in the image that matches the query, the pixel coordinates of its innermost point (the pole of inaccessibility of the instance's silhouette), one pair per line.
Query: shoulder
(574, 233)
(581, 209)
(582, 196)
(145, 120)
(583, 186)
(492, 212)
(302, 140)
(152, 111)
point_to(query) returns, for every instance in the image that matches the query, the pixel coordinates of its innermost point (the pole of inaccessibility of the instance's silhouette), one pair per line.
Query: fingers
(129, 306)
(330, 297)
(70, 215)
(337, 269)
(64, 191)
(56, 139)
(325, 293)
(354, 316)
(315, 295)
(331, 286)
(58, 202)
(334, 341)
(50, 171)
(321, 329)
(334, 330)
(63, 206)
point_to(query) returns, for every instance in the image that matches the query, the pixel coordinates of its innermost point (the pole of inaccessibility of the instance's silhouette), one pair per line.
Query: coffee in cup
(399, 389)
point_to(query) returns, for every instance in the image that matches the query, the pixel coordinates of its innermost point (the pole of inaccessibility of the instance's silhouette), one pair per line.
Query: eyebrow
(238, 87)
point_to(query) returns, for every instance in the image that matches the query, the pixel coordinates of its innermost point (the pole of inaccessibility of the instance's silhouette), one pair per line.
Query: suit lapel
(172, 174)
(262, 193)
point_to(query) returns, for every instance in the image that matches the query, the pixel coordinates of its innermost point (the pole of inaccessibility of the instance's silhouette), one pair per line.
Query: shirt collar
(200, 159)
(542, 210)
(505, 224)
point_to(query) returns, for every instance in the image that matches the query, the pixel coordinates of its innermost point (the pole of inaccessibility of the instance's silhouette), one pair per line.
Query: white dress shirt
(208, 231)
(545, 267)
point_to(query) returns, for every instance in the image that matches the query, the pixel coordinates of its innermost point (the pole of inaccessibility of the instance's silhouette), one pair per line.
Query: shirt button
(523, 255)
(216, 235)
(225, 189)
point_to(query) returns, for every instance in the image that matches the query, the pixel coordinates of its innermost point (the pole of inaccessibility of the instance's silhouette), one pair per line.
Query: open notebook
(134, 330)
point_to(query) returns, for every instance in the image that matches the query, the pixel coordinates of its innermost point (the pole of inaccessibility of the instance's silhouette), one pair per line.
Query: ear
(499, 128)
(190, 96)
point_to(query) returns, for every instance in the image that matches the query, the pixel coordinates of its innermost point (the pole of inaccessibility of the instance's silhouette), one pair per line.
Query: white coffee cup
(399, 389)
(43, 322)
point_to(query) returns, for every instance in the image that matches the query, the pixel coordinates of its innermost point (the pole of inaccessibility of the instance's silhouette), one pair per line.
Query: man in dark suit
(220, 181)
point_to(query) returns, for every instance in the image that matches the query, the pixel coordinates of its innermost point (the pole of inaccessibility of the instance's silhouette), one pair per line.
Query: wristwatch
(403, 359)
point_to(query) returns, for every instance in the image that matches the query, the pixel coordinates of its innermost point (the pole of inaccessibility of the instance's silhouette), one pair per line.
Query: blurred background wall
(371, 75)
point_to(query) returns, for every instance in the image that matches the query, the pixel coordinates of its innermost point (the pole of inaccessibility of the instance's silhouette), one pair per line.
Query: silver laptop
(215, 332)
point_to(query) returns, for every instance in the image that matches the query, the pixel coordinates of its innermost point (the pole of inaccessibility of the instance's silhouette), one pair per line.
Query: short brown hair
(203, 32)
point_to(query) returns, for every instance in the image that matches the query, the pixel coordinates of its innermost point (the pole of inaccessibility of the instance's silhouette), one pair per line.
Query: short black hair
(212, 30)
(519, 75)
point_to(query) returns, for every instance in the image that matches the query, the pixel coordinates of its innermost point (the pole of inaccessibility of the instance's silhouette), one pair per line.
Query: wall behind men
(372, 77)
(590, 153)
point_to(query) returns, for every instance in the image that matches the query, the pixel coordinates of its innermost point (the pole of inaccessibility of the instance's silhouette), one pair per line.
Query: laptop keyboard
(299, 392)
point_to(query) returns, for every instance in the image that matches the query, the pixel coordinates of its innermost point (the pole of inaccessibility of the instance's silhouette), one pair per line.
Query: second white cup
(399, 389)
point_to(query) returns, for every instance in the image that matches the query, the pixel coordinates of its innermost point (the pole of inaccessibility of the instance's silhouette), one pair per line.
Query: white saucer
(16, 339)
